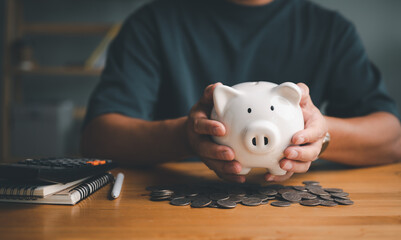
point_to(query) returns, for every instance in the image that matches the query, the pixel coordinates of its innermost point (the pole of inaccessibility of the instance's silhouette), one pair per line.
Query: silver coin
(264, 202)
(267, 191)
(161, 198)
(200, 202)
(311, 182)
(300, 188)
(213, 204)
(280, 204)
(328, 203)
(284, 190)
(251, 201)
(292, 196)
(326, 197)
(262, 197)
(333, 190)
(339, 195)
(226, 203)
(180, 201)
(308, 196)
(236, 198)
(312, 202)
(344, 201)
(318, 191)
(219, 196)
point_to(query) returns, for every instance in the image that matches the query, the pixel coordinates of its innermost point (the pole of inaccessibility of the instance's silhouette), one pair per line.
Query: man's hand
(199, 128)
(297, 159)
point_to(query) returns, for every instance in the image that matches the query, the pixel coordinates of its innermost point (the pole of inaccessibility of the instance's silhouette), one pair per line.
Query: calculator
(57, 170)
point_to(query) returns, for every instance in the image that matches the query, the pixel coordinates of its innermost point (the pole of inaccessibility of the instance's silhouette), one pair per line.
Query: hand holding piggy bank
(260, 120)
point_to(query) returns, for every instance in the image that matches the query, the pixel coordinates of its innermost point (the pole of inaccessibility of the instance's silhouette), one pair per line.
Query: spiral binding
(26, 191)
(17, 191)
(92, 185)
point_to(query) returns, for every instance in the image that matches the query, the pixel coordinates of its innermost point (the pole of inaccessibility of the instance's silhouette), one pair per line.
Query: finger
(310, 134)
(305, 93)
(308, 152)
(207, 149)
(223, 167)
(294, 166)
(207, 97)
(278, 178)
(210, 127)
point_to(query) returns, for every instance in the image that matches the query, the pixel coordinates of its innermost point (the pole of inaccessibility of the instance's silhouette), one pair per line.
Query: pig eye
(249, 110)
(272, 107)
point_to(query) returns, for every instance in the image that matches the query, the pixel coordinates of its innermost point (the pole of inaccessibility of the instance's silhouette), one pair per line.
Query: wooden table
(376, 213)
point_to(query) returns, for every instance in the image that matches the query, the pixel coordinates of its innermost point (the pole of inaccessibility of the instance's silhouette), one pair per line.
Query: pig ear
(221, 96)
(289, 91)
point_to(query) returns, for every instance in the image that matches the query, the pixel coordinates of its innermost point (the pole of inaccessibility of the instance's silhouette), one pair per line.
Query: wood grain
(376, 213)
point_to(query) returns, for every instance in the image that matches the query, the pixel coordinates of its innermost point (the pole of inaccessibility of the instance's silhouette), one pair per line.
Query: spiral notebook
(69, 196)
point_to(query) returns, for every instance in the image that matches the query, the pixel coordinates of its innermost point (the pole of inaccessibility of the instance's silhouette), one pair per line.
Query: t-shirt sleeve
(356, 87)
(130, 81)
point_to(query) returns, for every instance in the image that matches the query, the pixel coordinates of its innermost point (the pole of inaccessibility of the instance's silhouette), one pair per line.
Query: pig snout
(261, 137)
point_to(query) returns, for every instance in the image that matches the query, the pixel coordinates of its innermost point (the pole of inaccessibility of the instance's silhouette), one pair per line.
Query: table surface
(376, 213)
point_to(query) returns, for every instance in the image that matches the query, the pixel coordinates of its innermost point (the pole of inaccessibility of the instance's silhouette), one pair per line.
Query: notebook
(69, 196)
(10, 188)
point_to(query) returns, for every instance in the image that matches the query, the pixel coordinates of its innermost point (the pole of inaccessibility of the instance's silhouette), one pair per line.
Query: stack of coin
(228, 195)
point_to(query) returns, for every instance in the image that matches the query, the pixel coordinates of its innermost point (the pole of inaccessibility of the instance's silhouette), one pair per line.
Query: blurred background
(52, 53)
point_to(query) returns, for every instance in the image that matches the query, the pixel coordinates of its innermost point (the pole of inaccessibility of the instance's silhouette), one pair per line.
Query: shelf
(66, 29)
(80, 71)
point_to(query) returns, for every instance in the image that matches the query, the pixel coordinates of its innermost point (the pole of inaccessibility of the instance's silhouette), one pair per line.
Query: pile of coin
(228, 195)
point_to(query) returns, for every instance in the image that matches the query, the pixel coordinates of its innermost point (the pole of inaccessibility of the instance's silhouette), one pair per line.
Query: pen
(115, 192)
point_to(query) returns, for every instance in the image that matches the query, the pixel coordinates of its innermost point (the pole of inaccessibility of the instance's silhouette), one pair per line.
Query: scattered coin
(333, 190)
(319, 191)
(340, 194)
(328, 203)
(227, 195)
(251, 201)
(300, 188)
(225, 203)
(280, 204)
(311, 182)
(292, 196)
(180, 201)
(326, 197)
(268, 191)
(219, 196)
(344, 201)
(312, 202)
(200, 202)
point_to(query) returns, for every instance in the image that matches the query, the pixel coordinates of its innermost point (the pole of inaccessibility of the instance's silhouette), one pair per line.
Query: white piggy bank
(260, 120)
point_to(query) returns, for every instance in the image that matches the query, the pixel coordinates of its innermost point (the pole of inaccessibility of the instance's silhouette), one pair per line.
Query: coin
(280, 204)
(180, 201)
(267, 191)
(292, 196)
(226, 203)
(344, 201)
(200, 202)
(339, 195)
(284, 190)
(213, 204)
(251, 201)
(236, 198)
(312, 202)
(300, 188)
(318, 191)
(328, 203)
(311, 182)
(264, 202)
(262, 197)
(326, 197)
(307, 196)
(333, 190)
(219, 196)
(161, 198)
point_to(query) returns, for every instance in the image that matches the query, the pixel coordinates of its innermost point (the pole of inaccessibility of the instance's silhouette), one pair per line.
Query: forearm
(370, 140)
(134, 141)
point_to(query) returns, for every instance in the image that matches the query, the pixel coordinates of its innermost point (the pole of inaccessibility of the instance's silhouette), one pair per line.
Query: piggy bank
(260, 120)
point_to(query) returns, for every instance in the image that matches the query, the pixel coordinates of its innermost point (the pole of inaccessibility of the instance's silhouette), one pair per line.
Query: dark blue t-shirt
(168, 51)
